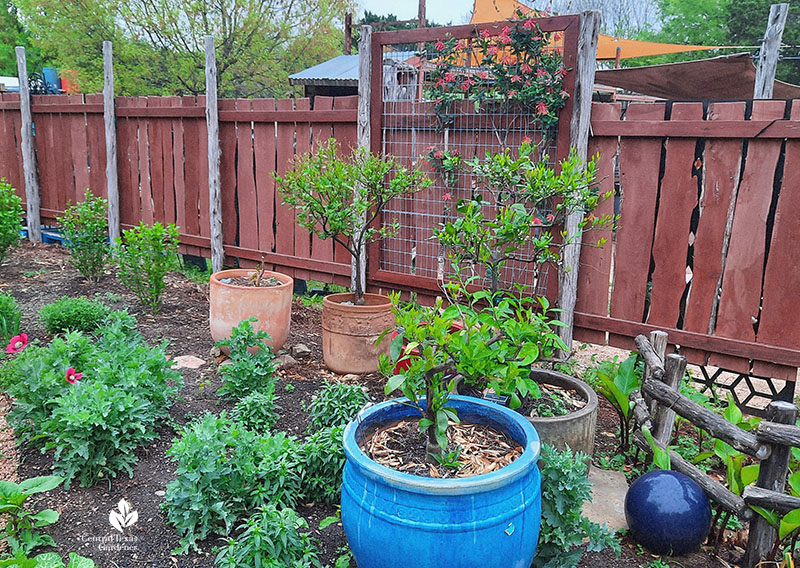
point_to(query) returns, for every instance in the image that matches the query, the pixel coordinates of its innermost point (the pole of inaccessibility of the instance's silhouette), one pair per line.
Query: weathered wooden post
(110, 119)
(770, 49)
(674, 368)
(214, 182)
(771, 476)
(32, 196)
(579, 139)
(359, 272)
(658, 340)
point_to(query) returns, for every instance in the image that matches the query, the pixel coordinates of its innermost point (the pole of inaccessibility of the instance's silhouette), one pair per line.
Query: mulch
(38, 274)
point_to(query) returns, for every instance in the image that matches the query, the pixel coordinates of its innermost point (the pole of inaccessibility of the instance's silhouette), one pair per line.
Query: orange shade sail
(495, 10)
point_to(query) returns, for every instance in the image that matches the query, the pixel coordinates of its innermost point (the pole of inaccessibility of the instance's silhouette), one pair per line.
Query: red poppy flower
(17, 343)
(73, 377)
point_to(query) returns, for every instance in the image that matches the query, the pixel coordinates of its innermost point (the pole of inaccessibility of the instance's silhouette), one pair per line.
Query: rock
(161, 493)
(350, 378)
(189, 362)
(281, 351)
(608, 498)
(285, 361)
(225, 363)
(301, 350)
(215, 352)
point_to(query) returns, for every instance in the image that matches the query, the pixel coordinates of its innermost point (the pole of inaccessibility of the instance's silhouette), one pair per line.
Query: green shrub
(565, 487)
(95, 425)
(271, 538)
(10, 217)
(257, 411)
(21, 524)
(10, 316)
(144, 255)
(85, 230)
(335, 405)
(73, 314)
(252, 364)
(322, 459)
(224, 473)
(47, 560)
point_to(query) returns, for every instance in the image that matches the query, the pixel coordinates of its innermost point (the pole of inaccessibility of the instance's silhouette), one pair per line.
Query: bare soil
(40, 274)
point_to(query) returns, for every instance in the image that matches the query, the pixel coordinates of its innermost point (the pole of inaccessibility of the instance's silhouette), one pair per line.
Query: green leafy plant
(85, 232)
(10, 316)
(225, 472)
(257, 411)
(10, 217)
(47, 560)
(73, 314)
(253, 364)
(145, 254)
(322, 458)
(271, 538)
(615, 382)
(335, 404)
(337, 198)
(21, 524)
(565, 487)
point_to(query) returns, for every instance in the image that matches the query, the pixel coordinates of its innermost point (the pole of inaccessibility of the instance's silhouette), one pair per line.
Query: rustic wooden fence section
(163, 168)
(770, 444)
(707, 243)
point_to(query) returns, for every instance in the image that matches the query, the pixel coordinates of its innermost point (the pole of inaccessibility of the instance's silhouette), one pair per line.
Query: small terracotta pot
(350, 332)
(229, 304)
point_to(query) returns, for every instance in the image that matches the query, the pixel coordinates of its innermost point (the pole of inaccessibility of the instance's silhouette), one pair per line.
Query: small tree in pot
(341, 198)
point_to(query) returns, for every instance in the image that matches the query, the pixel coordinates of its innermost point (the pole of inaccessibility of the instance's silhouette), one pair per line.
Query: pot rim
(337, 298)
(285, 279)
(418, 484)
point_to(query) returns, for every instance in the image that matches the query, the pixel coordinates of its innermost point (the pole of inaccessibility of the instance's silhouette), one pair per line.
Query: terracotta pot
(350, 332)
(575, 429)
(230, 304)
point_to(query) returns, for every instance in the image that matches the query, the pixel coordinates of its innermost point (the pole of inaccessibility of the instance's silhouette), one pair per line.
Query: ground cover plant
(73, 314)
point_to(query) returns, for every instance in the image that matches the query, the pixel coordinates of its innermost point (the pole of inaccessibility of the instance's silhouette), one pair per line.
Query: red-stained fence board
(678, 198)
(79, 146)
(227, 172)
(156, 129)
(346, 135)
(96, 136)
(128, 192)
(595, 265)
(245, 182)
(201, 159)
(321, 132)
(144, 165)
(302, 238)
(264, 150)
(638, 164)
(284, 215)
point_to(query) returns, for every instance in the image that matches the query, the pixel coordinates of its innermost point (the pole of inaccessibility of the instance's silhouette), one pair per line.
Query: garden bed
(40, 274)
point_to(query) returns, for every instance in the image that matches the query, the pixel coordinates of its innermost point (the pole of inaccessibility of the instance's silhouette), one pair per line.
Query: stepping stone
(608, 498)
(189, 362)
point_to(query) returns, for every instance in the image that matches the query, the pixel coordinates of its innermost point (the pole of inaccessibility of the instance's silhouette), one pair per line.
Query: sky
(439, 11)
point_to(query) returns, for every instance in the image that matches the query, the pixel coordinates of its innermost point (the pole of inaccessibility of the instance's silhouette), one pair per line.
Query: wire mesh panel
(444, 102)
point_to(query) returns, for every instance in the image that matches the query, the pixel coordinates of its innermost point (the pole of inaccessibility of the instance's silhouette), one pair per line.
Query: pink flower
(512, 93)
(484, 75)
(541, 108)
(528, 24)
(525, 68)
(516, 79)
(440, 45)
(550, 217)
(446, 197)
(540, 73)
(564, 94)
(437, 154)
(526, 140)
(461, 44)
(455, 153)
(17, 343)
(73, 377)
(484, 34)
(492, 50)
(440, 82)
(449, 77)
(467, 84)
(430, 148)
(537, 221)
(505, 31)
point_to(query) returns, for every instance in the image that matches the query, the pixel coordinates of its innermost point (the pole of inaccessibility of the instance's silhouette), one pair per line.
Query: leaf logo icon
(123, 517)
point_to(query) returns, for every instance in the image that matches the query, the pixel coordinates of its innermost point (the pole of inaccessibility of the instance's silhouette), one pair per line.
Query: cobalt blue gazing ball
(667, 512)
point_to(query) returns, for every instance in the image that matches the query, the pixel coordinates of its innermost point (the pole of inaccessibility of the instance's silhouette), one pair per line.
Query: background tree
(13, 34)
(158, 44)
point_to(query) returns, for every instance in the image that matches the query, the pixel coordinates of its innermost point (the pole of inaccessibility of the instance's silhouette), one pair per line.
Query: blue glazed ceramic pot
(667, 512)
(397, 520)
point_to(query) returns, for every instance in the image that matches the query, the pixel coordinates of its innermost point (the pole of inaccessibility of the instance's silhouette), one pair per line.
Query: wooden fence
(163, 168)
(707, 244)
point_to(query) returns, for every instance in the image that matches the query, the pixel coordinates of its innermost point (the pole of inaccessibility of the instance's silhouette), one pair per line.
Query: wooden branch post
(109, 118)
(32, 196)
(214, 183)
(359, 273)
(658, 340)
(771, 476)
(770, 49)
(674, 368)
(579, 139)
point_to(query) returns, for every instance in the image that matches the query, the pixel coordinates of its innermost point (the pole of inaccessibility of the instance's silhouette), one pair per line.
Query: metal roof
(341, 71)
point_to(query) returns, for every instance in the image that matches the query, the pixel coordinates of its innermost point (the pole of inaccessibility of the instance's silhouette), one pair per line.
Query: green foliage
(21, 524)
(85, 230)
(257, 411)
(93, 426)
(47, 560)
(144, 255)
(615, 382)
(320, 186)
(565, 487)
(225, 472)
(322, 458)
(10, 316)
(10, 217)
(253, 364)
(73, 314)
(335, 404)
(271, 538)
